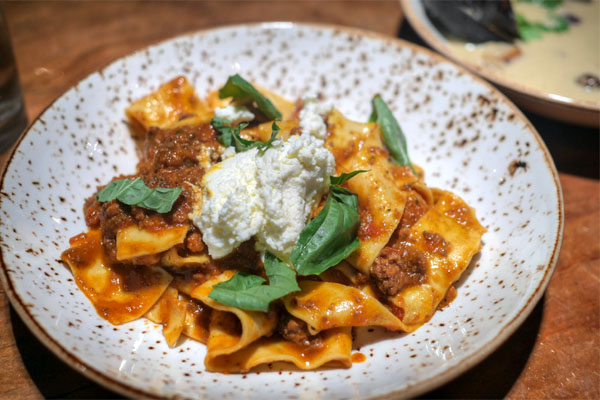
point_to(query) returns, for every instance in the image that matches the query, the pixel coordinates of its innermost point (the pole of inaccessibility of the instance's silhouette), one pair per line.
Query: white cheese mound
(292, 177)
(311, 117)
(235, 114)
(267, 195)
(231, 208)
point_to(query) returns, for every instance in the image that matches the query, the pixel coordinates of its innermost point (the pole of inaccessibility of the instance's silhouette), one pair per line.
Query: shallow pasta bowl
(530, 97)
(466, 135)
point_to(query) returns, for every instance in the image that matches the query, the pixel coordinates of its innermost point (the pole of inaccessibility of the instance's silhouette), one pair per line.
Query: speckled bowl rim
(410, 391)
(425, 33)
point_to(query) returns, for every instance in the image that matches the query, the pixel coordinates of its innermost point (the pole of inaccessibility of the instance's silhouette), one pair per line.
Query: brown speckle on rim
(516, 164)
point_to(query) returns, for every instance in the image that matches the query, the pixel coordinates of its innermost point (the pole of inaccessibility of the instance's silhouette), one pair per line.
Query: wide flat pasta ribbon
(455, 222)
(173, 104)
(381, 198)
(326, 305)
(180, 314)
(135, 242)
(119, 293)
(335, 348)
(170, 312)
(233, 330)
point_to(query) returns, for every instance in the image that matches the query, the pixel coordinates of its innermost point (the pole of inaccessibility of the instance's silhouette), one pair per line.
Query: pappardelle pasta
(267, 229)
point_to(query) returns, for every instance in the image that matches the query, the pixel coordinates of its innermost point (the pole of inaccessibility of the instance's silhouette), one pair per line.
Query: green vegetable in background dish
(549, 4)
(531, 30)
(136, 193)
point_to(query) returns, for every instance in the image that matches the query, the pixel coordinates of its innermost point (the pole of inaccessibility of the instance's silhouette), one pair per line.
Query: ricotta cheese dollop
(235, 114)
(268, 195)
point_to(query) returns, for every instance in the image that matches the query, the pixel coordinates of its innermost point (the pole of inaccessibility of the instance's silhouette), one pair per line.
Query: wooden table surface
(554, 354)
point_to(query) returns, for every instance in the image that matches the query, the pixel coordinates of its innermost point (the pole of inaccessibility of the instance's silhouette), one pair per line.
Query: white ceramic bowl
(463, 132)
(551, 105)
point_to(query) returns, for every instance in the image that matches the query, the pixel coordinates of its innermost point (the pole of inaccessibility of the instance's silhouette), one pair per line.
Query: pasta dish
(268, 230)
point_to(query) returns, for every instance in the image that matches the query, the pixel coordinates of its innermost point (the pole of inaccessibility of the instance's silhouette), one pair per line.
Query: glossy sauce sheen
(119, 294)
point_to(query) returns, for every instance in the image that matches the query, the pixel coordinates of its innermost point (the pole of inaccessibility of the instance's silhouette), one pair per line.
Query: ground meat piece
(295, 330)
(169, 149)
(115, 215)
(92, 211)
(194, 242)
(394, 269)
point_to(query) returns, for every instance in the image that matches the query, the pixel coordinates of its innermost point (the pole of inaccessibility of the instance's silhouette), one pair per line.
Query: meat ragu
(135, 261)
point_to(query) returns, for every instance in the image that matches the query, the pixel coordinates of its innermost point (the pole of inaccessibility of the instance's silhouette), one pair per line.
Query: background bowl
(551, 105)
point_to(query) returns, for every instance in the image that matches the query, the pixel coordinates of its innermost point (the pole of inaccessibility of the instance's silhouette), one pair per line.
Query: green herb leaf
(223, 127)
(531, 30)
(328, 239)
(331, 236)
(136, 193)
(230, 136)
(238, 88)
(549, 4)
(393, 136)
(338, 180)
(249, 292)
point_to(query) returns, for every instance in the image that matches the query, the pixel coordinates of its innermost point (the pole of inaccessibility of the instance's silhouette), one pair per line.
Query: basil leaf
(530, 30)
(223, 127)
(344, 196)
(328, 239)
(331, 236)
(249, 292)
(230, 136)
(113, 189)
(392, 133)
(238, 88)
(338, 180)
(549, 4)
(161, 199)
(372, 117)
(136, 193)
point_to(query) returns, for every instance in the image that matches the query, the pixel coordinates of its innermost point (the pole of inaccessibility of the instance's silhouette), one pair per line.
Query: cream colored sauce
(552, 63)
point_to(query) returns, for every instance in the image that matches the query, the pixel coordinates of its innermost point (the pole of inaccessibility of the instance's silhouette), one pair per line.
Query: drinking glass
(13, 119)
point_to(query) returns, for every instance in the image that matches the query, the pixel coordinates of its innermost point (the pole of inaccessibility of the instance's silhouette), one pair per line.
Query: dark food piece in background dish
(589, 81)
(475, 21)
(572, 18)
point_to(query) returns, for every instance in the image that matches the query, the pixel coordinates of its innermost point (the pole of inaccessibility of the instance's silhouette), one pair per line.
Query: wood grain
(554, 354)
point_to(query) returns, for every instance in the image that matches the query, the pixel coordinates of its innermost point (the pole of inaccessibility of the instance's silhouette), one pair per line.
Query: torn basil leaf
(531, 30)
(393, 137)
(230, 136)
(549, 4)
(330, 237)
(338, 180)
(136, 193)
(240, 89)
(249, 292)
